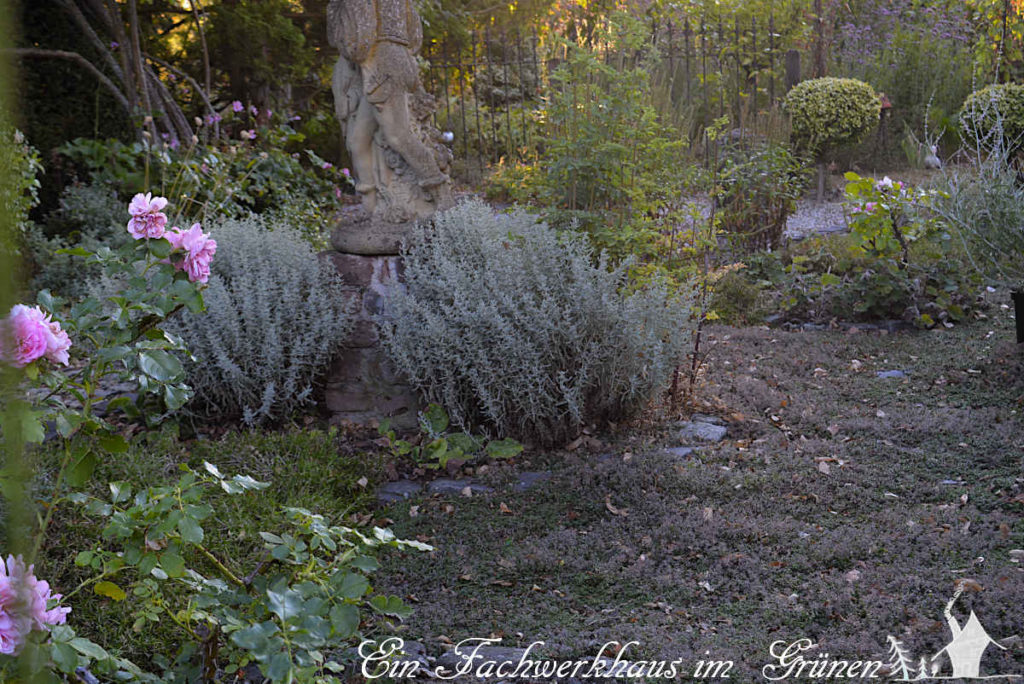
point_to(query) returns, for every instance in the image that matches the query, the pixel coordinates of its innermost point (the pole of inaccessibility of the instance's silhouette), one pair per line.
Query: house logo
(959, 659)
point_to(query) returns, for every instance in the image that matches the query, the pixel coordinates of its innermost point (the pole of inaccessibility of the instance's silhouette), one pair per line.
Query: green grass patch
(312, 469)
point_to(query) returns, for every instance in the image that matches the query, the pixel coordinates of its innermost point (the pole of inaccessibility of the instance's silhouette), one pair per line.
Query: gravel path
(812, 218)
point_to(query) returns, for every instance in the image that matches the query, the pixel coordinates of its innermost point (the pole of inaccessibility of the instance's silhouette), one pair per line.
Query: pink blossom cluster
(199, 249)
(889, 185)
(147, 217)
(28, 333)
(868, 208)
(149, 221)
(24, 605)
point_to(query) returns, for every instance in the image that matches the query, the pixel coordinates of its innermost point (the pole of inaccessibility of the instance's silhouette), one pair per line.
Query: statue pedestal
(362, 386)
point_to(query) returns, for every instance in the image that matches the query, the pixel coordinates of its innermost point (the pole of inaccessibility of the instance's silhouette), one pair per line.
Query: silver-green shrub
(983, 201)
(515, 329)
(275, 315)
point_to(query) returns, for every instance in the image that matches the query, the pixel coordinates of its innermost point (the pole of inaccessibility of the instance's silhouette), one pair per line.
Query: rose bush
(295, 616)
(115, 335)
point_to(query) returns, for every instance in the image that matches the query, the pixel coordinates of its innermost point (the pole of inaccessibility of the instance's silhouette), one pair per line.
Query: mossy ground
(827, 513)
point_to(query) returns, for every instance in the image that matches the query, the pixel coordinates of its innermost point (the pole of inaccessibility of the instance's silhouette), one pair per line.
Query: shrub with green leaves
(760, 187)
(437, 446)
(277, 315)
(827, 113)
(19, 188)
(608, 165)
(842, 277)
(232, 178)
(995, 111)
(88, 215)
(516, 329)
(292, 615)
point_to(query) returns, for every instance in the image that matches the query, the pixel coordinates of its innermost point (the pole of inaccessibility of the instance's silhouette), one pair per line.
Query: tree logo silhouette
(964, 651)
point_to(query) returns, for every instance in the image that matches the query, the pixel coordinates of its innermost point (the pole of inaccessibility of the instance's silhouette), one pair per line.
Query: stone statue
(398, 159)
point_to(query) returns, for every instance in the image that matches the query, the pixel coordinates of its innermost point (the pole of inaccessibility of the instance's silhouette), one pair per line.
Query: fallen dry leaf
(824, 468)
(968, 584)
(503, 508)
(612, 509)
(362, 482)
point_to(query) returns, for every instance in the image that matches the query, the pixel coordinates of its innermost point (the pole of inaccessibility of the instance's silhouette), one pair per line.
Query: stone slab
(528, 480)
(704, 432)
(398, 490)
(450, 486)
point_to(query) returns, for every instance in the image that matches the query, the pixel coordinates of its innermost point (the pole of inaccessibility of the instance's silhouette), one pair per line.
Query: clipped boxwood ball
(827, 113)
(984, 107)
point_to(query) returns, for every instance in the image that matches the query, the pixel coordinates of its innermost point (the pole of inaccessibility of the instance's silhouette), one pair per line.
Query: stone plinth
(362, 386)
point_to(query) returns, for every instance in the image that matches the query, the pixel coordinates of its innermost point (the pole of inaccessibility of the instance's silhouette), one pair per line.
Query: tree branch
(76, 14)
(75, 57)
(195, 84)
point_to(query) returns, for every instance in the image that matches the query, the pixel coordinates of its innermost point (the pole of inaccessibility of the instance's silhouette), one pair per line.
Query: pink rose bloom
(12, 634)
(23, 604)
(248, 135)
(35, 593)
(253, 110)
(24, 337)
(346, 172)
(327, 165)
(30, 334)
(199, 249)
(148, 219)
(237, 107)
(58, 343)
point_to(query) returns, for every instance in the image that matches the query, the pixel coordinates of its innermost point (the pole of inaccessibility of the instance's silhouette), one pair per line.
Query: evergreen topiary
(828, 113)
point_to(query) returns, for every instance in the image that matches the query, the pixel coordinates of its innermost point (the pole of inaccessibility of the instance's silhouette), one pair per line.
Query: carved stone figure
(398, 159)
